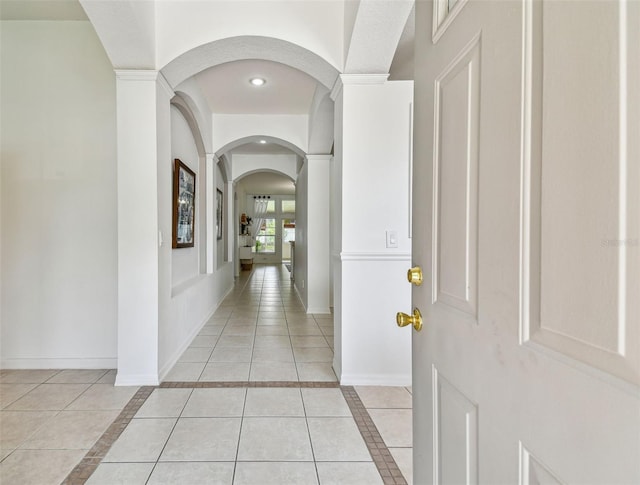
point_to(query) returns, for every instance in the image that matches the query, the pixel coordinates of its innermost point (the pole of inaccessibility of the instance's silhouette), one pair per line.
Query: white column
(371, 176)
(210, 172)
(143, 130)
(318, 233)
(229, 220)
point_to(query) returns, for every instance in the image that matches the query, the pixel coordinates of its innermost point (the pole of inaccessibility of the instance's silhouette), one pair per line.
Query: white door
(526, 217)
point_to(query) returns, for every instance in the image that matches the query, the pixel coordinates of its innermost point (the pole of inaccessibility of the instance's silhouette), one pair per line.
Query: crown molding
(356, 79)
(145, 75)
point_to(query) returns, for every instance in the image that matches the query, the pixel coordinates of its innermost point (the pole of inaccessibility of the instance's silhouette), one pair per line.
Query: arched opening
(232, 49)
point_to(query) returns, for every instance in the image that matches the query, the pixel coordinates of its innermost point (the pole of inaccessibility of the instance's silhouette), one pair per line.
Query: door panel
(456, 434)
(456, 181)
(579, 227)
(526, 220)
(532, 472)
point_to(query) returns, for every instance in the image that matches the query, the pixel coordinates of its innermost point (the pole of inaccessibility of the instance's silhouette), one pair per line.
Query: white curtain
(259, 211)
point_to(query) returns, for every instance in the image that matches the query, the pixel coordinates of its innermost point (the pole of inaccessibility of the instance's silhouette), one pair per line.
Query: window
(266, 238)
(288, 230)
(271, 207)
(288, 206)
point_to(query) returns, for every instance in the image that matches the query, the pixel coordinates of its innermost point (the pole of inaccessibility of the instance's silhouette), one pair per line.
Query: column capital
(318, 156)
(145, 75)
(357, 79)
(211, 158)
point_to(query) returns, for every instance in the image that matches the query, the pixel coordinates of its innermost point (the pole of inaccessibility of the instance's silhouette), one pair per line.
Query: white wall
(58, 202)
(293, 129)
(245, 164)
(220, 185)
(191, 93)
(336, 234)
(375, 147)
(185, 262)
(188, 300)
(318, 233)
(316, 25)
(302, 232)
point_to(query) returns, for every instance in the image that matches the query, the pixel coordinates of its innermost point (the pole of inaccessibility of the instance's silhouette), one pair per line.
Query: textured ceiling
(227, 88)
(267, 183)
(260, 149)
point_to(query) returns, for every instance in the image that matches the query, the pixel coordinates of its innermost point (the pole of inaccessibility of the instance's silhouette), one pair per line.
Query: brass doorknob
(414, 275)
(403, 319)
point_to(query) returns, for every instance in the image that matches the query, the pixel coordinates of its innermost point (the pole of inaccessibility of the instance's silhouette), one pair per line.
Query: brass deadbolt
(414, 275)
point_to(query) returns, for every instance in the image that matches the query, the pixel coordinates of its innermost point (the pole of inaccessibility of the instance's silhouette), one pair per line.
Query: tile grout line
(384, 461)
(168, 437)
(379, 451)
(83, 470)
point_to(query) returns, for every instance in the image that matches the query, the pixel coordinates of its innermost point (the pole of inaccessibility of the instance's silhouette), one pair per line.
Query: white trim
(525, 174)
(442, 20)
(601, 374)
(336, 89)
(295, 287)
(360, 79)
(318, 156)
(64, 363)
(623, 122)
(410, 191)
(136, 74)
(353, 256)
(376, 380)
(186, 285)
(364, 78)
(165, 85)
(320, 311)
(336, 365)
(145, 75)
(137, 380)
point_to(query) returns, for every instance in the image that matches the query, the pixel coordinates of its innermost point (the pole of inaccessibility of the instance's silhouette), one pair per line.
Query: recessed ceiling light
(262, 142)
(257, 81)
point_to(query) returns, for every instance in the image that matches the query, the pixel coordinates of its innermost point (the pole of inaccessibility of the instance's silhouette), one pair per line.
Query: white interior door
(526, 217)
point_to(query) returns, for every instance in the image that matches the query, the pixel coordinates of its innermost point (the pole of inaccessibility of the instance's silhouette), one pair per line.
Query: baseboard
(137, 380)
(375, 380)
(101, 363)
(337, 367)
(295, 287)
(319, 310)
(176, 355)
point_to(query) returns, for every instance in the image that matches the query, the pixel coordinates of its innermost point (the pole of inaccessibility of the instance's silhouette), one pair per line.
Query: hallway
(253, 400)
(260, 333)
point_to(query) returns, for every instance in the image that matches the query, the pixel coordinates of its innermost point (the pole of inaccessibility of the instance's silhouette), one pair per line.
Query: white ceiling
(227, 89)
(255, 148)
(267, 183)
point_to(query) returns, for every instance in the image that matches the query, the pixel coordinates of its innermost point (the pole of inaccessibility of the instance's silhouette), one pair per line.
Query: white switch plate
(392, 239)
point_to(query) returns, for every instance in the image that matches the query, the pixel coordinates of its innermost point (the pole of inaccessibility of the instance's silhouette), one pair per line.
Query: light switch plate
(392, 239)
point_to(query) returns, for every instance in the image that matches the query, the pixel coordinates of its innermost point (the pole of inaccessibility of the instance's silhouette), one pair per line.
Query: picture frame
(184, 205)
(219, 197)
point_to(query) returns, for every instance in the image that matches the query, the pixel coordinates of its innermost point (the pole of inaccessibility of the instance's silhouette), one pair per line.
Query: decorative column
(229, 220)
(372, 249)
(210, 173)
(143, 131)
(318, 233)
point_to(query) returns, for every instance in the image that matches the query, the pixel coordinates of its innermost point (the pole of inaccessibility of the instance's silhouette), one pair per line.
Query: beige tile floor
(391, 411)
(50, 418)
(260, 333)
